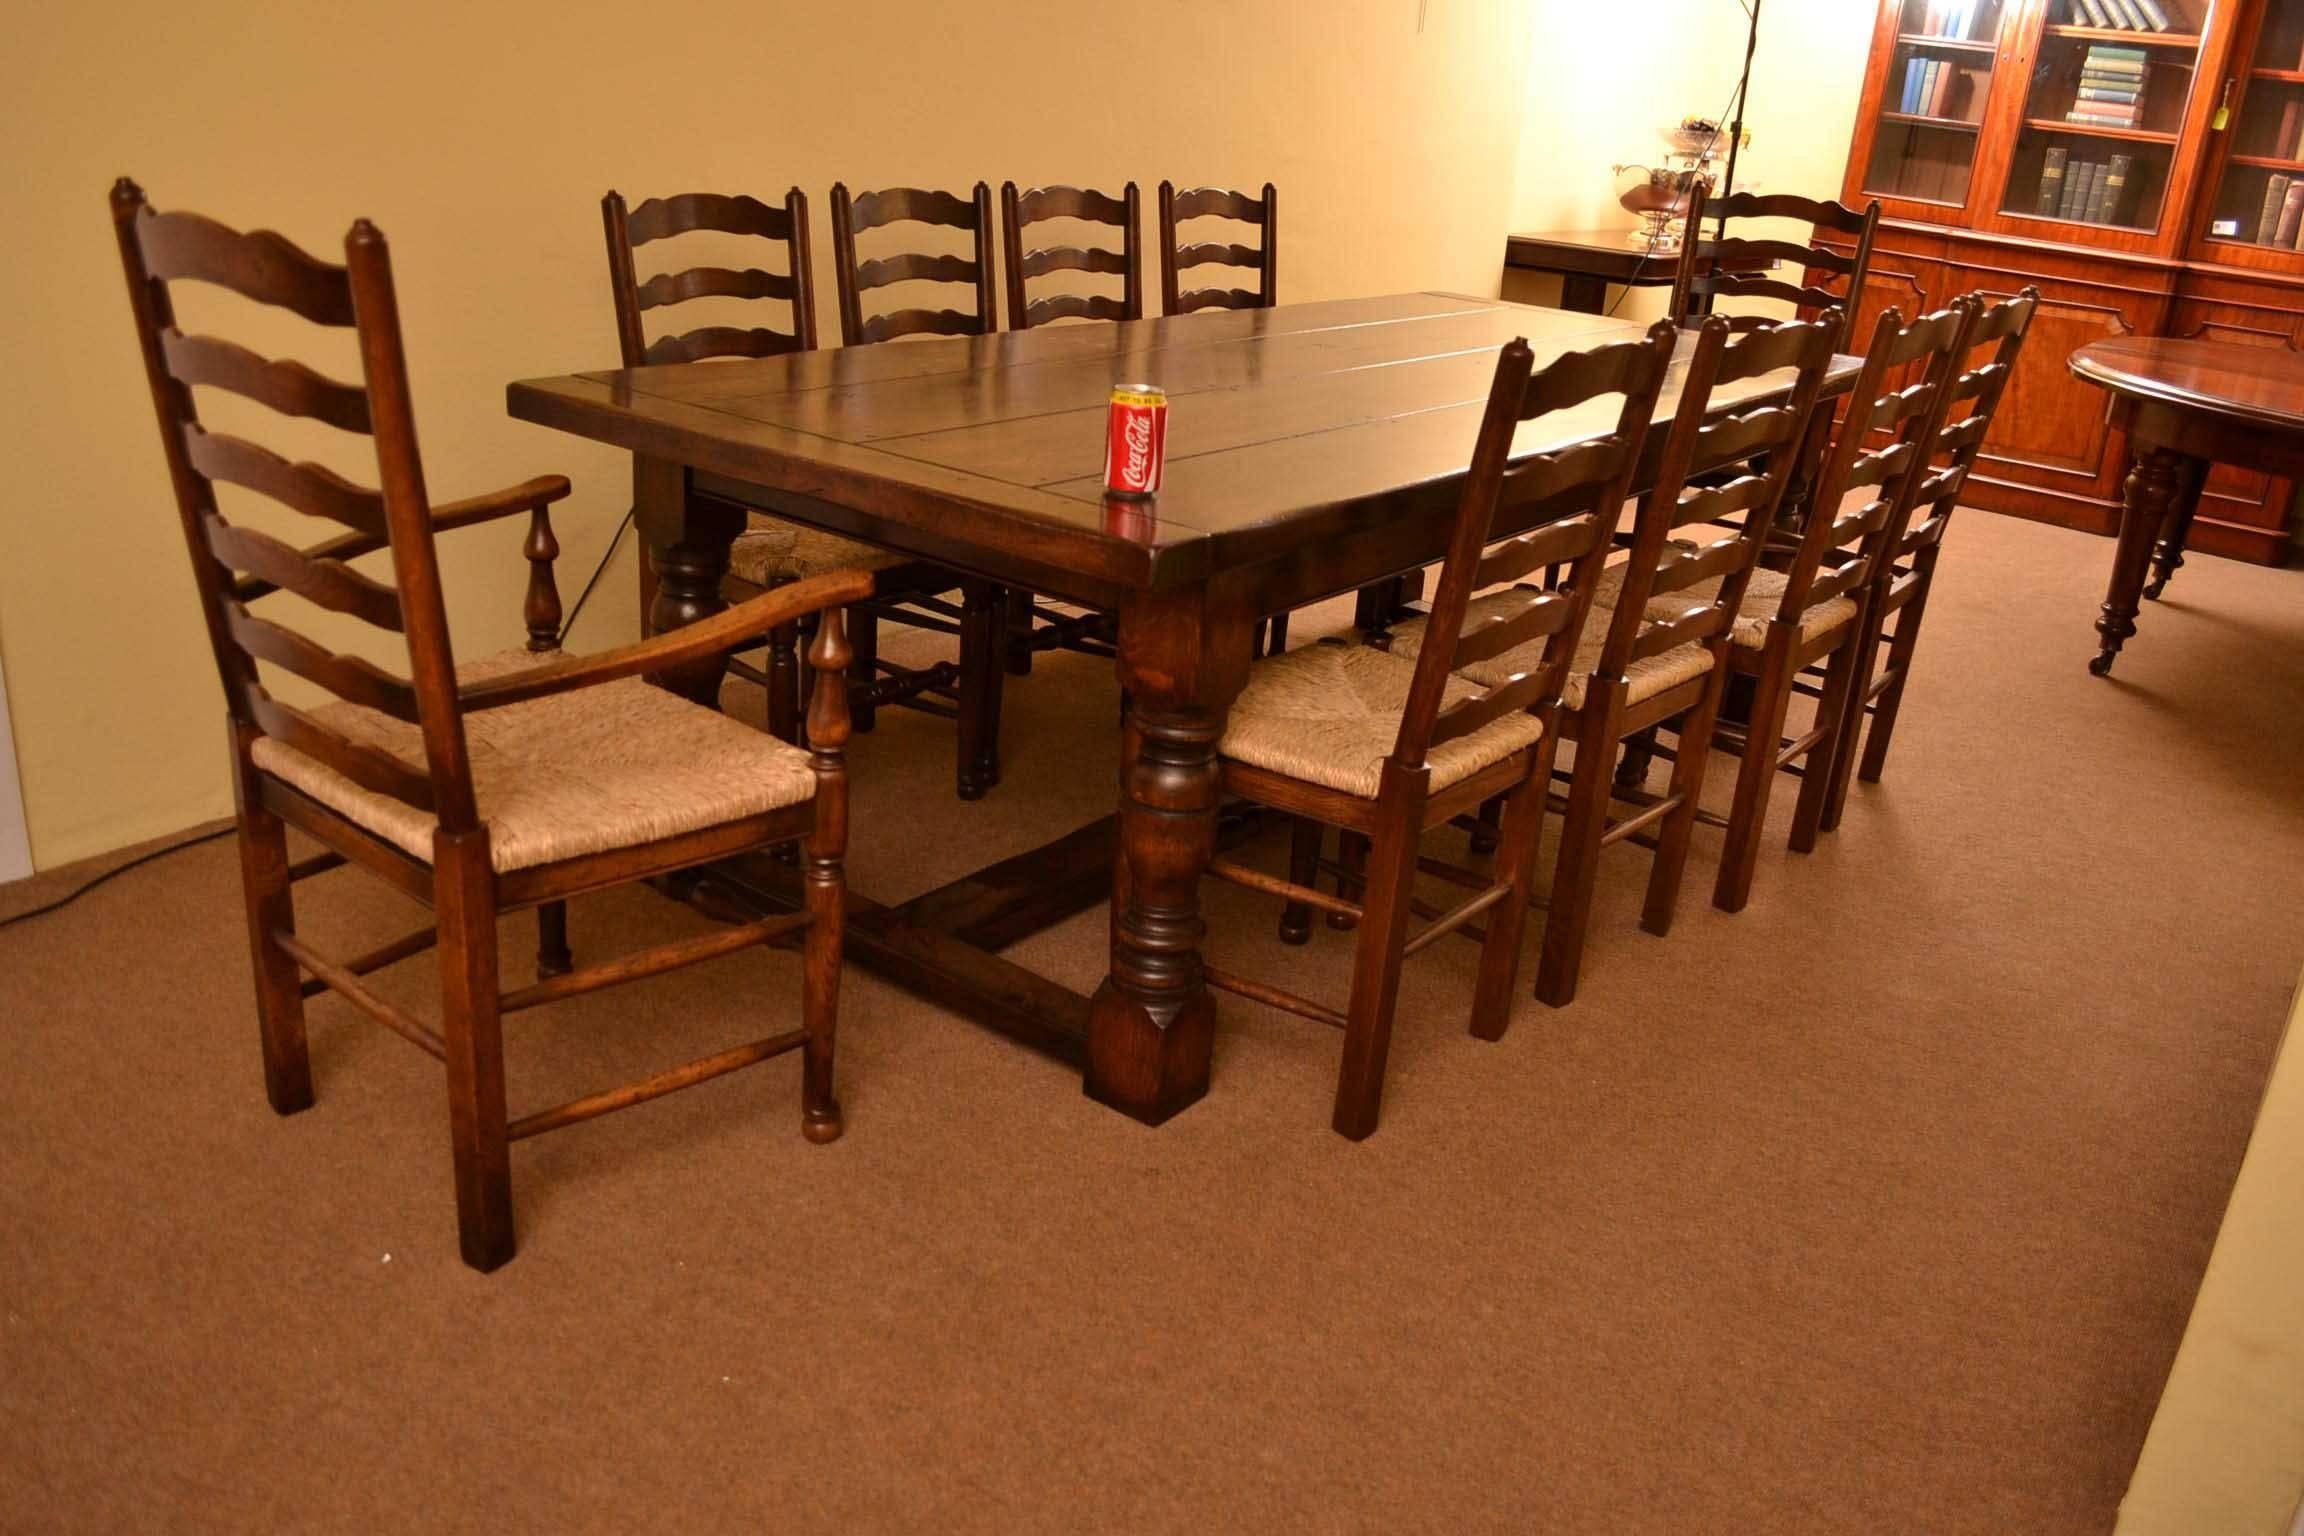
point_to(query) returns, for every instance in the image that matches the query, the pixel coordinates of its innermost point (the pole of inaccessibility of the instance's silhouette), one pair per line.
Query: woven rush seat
(577, 773)
(1330, 715)
(1761, 597)
(773, 550)
(1644, 679)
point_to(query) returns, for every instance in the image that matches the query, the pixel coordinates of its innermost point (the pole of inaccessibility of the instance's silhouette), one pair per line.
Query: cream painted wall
(1582, 118)
(480, 138)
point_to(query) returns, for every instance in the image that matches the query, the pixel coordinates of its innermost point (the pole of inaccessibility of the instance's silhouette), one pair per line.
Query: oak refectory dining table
(1312, 449)
(2185, 405)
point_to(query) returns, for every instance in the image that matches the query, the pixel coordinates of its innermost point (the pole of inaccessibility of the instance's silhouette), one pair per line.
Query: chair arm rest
(690, 642)
(527, 495)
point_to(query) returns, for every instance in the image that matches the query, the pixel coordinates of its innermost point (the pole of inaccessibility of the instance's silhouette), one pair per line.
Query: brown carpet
(1878, 1207)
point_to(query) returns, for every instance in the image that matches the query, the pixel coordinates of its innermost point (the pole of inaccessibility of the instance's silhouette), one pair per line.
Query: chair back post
(803, 269)
(2002, 327)
(172, 403)
(408, 518)
(623, 279)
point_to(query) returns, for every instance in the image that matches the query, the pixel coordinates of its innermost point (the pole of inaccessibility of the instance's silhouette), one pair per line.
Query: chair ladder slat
(281, 566)
(353, 678)
(312, 489)
(284, 384)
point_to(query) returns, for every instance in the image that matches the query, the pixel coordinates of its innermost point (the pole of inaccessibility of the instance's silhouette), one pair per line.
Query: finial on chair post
(542, 608)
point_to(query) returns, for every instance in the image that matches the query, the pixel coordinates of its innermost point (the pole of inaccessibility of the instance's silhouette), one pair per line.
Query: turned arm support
(530, 496)
(712, 636)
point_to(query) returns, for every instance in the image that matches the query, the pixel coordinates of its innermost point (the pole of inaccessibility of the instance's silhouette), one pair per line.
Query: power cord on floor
(141, 859)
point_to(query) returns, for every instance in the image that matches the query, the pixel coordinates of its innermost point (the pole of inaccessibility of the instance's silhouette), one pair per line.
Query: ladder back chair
(513, 781)
(1654, 649)
(1030, 626)
(1352, 737)
(855, 277)
(775, 549)
(1262, 258)
(1811, 613)
(968, 689)
(1020, 210)
(1719, 265)
(1900, 586)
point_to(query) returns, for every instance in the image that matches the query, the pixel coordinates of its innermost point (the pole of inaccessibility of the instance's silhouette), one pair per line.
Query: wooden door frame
(15, 839)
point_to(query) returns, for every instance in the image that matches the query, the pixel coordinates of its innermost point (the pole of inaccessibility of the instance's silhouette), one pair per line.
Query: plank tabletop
(1285, 426)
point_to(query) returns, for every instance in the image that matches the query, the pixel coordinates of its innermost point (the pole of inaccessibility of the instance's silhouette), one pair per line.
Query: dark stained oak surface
(1286, 426)
(2259, 384)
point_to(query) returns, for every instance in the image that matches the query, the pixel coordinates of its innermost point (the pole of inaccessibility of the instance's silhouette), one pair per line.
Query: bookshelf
(2253, 214)
(2134, 160)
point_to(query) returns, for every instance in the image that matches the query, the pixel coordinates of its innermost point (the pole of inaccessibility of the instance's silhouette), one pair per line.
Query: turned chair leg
(1639, 753)
(1755, 778)
(279, 987)
(552, 954)
(1305, 836)
(1900, 652)
(820, 1119)
(863, 669)
(472, 1029)
(1275, 634)
(1522, 836)
(1487, 825)
(981, 624)
(1376, 963)
(1352, 858)
(1020, 605)
(1687, 787)
(1826, 763)
(1577, 867)
(784, 683)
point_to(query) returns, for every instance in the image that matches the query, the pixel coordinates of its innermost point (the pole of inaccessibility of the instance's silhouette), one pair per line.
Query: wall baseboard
(15, 841)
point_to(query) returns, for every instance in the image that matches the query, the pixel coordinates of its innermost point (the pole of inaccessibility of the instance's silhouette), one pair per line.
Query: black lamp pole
(1736, 126)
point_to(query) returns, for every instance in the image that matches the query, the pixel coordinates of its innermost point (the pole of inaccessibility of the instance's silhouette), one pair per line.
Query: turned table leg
(2168, 554)
(2153, 486)
(688, 539)
(1152, 1024)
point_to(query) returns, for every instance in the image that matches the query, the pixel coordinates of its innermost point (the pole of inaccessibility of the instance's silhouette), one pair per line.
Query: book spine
(2075, 178)
(2268, 218)
(1911, 85)
(2153, 14)
(1943, 98)
(2291, 214)
(2052, 181)
(2116, 188)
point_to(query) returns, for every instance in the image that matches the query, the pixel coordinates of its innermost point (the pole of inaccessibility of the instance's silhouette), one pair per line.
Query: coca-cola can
(1135, 440)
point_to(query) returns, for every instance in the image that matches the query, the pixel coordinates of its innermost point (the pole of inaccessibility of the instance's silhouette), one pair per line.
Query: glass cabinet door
(1932, 106)
(2259, 197)
(2103, 111)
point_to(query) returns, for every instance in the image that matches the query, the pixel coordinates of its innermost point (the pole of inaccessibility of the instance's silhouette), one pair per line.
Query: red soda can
(1135, 440)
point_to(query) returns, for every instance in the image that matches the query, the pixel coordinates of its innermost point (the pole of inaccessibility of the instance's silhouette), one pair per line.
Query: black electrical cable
(143, 858)
(70, 897)
(598, 571)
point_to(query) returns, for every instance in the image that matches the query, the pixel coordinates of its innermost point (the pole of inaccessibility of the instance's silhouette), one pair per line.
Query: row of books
(1951, 18)
(1933, 88)
(2091, 191)
(2111, 93)
(2282, 221)
(2121, 15)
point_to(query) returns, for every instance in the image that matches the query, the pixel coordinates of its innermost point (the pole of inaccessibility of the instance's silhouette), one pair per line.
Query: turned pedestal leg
(688, 538)
(2152, 489)
(2168, 554)
(1152, 1025)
